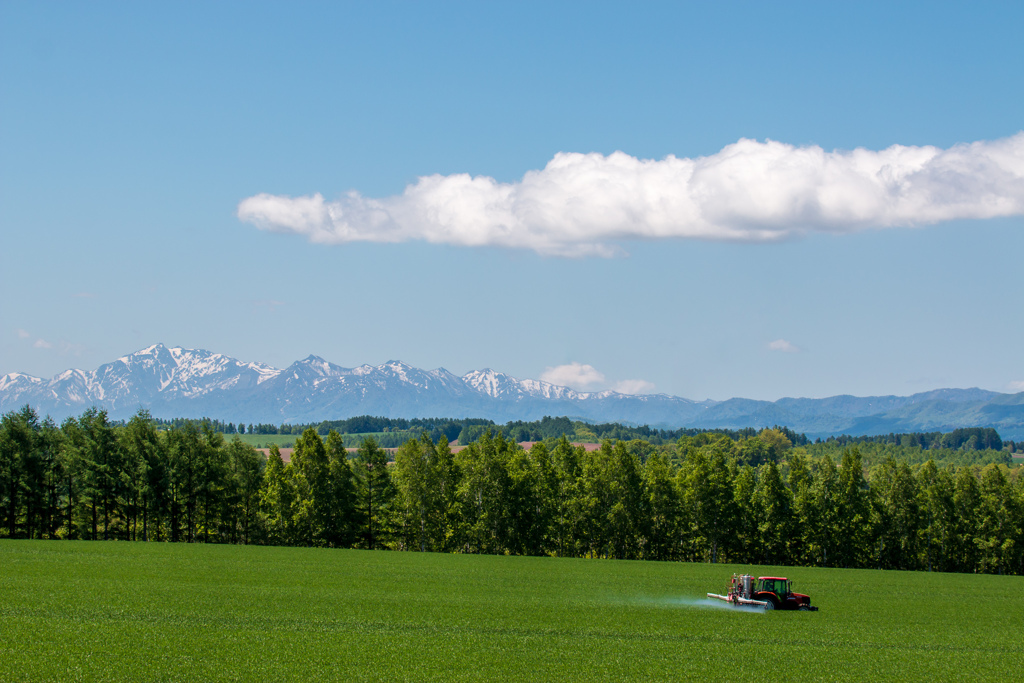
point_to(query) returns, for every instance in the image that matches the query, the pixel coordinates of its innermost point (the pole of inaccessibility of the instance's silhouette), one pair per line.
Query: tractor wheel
(804, 608)
(769, 604)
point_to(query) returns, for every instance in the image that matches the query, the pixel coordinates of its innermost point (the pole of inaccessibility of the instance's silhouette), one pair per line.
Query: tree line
(966, 438)
(704, 498)
(450, 428)
(467, 430)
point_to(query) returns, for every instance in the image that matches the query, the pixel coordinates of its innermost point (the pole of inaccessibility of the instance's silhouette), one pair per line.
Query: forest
(766, 497)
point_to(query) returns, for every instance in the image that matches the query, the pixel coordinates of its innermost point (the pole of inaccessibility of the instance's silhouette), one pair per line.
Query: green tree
(341, 531)
(313, 499)
(100, 460)
(629, 514)
(71, 483)
(21, 479)
(444, 514)
(998, 530)
(524, 506)
(895, 515)
(211, 481)
(276, 497)
(663, 503)
(966, 504)
(568, 521)
(35, 464)
(745, 545)
(484, 488)
(753, 452)
(615, 506)
(547, 497)
(853, 517)
(184, 479)
(822, 514)
(710, 499)
(245, 466)
(774, 506)
(799, 482)
(144, 475)
(49, 443)
(374, 494)
(938, 516)
(777, 441)
(596, 500)
(417, 491)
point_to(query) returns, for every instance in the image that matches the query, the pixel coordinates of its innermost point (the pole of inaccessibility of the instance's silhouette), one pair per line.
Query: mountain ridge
(180, 382)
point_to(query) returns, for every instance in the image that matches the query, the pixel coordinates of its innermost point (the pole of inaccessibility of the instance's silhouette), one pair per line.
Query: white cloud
(1016, 387)
(22, 334)
(575, 375)
(588, 378)
(750, 191)
(42, 344)
(634, 386)
(784, 346)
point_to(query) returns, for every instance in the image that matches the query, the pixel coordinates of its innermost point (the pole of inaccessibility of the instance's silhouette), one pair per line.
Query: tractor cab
(774, 584)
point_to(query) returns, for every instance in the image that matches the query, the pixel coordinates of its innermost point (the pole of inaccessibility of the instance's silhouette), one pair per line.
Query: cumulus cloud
(585, 377)
(634, 386)
(750, 191)
(784, 346)
(22, 334)
(1016, 387)
(575, 375)
(42, 344)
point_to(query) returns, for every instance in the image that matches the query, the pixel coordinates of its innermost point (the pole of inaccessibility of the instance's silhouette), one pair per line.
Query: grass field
(264, 440)
(137, 612)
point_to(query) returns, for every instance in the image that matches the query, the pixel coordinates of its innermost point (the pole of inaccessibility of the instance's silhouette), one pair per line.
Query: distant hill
(178, 382)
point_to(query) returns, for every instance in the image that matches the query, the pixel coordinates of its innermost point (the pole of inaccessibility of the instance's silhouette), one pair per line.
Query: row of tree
(436, 427)
(964, 438)
(494, 497)
(467, 430)
(90, 479)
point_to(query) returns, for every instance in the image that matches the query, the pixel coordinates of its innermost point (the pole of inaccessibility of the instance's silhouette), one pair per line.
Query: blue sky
(132, 136)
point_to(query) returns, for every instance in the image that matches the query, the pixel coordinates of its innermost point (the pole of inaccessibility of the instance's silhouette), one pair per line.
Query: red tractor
(770, 592)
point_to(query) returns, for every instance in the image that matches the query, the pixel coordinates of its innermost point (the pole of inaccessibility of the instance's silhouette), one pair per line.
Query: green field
(136, 611)
(264, 440)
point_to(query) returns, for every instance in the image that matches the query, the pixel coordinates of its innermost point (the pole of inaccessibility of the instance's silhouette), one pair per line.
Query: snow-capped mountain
(192, 383)
(178, 382)
(144, 378)
(499, 385)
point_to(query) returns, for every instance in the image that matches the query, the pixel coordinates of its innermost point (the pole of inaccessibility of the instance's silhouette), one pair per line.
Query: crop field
(264, 440)
(137, 612)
